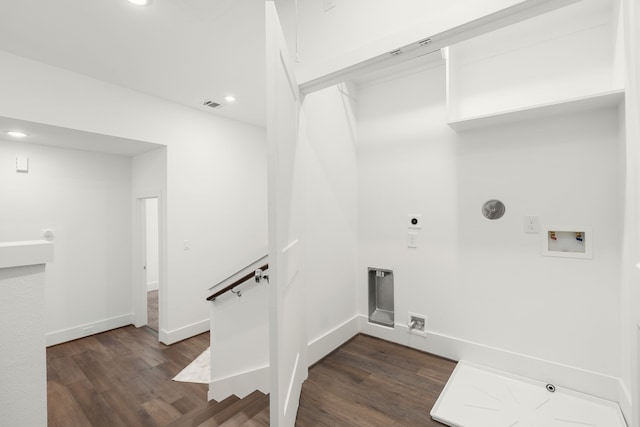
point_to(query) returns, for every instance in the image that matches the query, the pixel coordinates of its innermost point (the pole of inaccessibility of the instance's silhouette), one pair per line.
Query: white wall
(216, 174)
(630, 292)
(85, 198)
(329, 259)
(482, 281)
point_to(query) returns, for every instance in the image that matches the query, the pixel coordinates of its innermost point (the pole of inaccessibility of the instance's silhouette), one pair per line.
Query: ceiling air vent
(211, 104)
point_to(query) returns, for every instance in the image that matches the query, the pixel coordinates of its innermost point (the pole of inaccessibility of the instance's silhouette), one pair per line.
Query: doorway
(152, 265)
(147, 264)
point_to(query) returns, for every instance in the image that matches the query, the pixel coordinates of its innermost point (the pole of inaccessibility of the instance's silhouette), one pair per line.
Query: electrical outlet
(531, 224)
(412, 240)
(417, 324)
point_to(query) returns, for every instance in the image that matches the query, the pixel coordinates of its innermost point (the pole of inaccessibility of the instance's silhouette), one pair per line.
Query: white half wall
(240, 342)
(630, 292)
(85, 198)
(23, 389)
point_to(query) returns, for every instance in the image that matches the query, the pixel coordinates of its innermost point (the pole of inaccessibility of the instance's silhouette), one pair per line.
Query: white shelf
(591, 102)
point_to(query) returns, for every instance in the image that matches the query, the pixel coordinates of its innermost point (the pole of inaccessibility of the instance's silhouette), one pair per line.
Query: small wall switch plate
(22, 164)
(531, 224)
(412, 240)
(186, 245)
(414, 221)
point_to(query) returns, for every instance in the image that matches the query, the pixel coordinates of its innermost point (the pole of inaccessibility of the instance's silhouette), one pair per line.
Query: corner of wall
(589, 382)
(81, 331)
(176, 335)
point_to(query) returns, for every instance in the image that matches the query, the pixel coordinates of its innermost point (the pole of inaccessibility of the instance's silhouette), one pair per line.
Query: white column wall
(630, 291)
(328, 155)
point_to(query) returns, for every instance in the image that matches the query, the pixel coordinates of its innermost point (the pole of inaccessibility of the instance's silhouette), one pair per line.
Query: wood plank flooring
(152, 310)
(372, 382)
(123, 378)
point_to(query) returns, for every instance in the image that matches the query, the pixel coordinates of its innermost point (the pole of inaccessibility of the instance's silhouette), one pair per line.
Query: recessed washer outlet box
(417, 324)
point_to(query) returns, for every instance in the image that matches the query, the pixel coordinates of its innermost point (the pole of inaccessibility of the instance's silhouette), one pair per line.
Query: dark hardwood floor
(152, 310)
(372, 382)
(123, 378)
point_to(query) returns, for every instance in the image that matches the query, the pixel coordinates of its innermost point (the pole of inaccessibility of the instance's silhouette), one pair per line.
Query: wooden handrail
(236, 283)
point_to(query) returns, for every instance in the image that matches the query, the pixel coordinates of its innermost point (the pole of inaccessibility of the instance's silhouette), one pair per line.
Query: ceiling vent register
(212, 104)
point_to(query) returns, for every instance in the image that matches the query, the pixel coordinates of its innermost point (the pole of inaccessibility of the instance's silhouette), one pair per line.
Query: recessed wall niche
(567, 241)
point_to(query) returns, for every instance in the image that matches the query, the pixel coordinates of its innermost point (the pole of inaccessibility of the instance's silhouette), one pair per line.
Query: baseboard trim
(325, 344)
(81, 331)
(581, 380)
(241, 384)
(172, 337)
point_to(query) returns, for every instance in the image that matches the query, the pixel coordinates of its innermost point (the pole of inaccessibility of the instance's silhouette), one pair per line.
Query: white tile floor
(477, 396)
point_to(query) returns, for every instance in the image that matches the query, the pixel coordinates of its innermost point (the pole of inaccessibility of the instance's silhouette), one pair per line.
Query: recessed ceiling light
(230, 98)
(139, 2)
(16, 133)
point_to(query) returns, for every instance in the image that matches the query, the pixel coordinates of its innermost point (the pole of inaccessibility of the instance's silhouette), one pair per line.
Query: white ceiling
(42, 134)
(185, 51)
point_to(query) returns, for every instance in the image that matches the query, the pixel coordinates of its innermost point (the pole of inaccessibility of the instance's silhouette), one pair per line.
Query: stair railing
(259, 274)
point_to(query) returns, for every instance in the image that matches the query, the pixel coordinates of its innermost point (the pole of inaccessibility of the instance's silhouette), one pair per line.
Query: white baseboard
(153, 286)
(172, 337)
(70, 334)
(240, 384)
(581, 380)
(325, 344)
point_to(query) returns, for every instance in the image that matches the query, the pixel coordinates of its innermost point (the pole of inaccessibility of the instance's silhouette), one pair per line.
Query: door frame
(139, 276)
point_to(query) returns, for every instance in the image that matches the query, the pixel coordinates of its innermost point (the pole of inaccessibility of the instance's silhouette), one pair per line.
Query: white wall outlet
(417, 324)
(22, 164)
(414, 221)
(412, 240)
(531, 224)
(186, 245)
